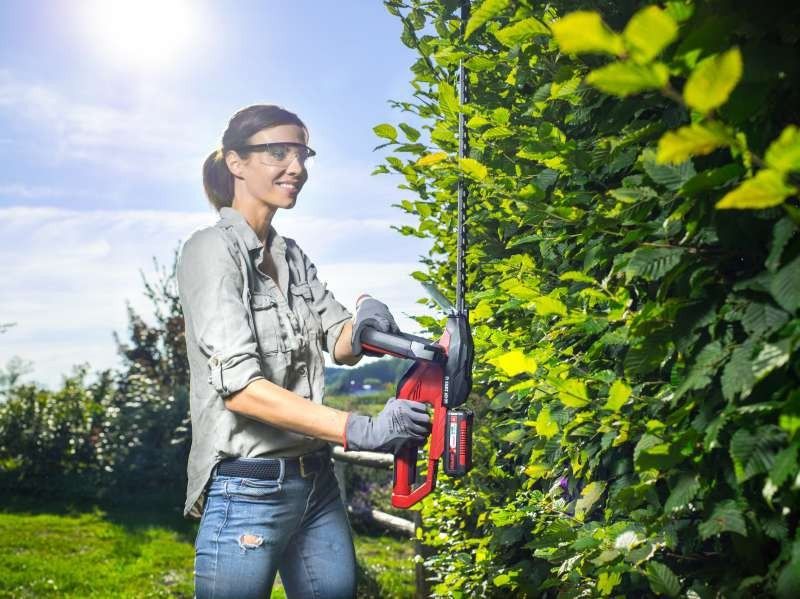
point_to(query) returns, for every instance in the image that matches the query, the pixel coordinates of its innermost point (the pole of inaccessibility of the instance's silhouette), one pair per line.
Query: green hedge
(634, 276)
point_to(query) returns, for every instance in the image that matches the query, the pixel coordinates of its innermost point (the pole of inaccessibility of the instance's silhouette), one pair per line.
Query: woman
(257, 321)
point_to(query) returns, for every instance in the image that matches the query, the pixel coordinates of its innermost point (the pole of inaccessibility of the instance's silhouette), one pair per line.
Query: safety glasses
(280, 153)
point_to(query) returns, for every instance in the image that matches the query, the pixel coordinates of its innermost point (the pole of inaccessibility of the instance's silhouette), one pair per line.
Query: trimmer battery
(458, 442)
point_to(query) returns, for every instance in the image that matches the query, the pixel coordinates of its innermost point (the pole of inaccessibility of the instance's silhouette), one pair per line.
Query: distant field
(89, 555)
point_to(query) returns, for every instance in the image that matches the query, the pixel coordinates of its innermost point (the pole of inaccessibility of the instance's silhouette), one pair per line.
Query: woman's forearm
(343, 352)
(265, 401)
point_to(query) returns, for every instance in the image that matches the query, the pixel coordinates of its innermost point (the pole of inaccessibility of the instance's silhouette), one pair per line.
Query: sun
(146, 34)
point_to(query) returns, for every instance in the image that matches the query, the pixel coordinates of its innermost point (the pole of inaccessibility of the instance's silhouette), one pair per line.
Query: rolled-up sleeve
(211, 289)
(332, 314)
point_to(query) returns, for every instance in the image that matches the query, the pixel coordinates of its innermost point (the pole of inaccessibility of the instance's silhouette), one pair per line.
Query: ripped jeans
(252, 528)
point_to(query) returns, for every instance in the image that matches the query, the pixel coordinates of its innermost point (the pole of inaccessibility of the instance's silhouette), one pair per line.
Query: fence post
(340, 471)
(423, 589)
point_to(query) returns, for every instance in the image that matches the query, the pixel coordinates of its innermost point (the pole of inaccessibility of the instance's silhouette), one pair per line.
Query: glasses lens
(281, 153)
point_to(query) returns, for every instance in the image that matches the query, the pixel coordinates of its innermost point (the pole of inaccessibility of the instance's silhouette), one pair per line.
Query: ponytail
(217, 180)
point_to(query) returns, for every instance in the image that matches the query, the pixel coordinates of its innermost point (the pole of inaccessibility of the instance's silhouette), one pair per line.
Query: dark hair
(217, 179)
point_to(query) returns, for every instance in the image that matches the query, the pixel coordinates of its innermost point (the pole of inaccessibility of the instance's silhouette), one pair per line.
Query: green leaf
(589, 496)
(584, 31)
(672, 177)
(696, 139)
(750, 453)
(515, 436)
(713, 80)
(784, 465)
(486, 11)
(576, 275)
(645, 357)
(680, 10)
(514, 362)
(765, 190)
(772, 356)
(546, 305)
(648, 32)
(448, 101)
(737, 377)
(411, 133)
(761, 319)
(785, 286)
(607, 581)
(545, 425)
(710, 439)
(789, 578)
(385, 131)
(726, 517)
(783, 154)
(712, 178)
(684, 491)
(626, 78)
(572, 393)
(652, 263)
(782, 232)
(618, 395)
(430, 159)
(521, 32)
(704, 367)
(662, 580)
(474, 169)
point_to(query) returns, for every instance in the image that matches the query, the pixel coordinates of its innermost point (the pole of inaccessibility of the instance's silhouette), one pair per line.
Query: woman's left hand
(371, 313)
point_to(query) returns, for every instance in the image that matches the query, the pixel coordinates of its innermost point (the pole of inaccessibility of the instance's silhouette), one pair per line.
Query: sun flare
(147, 34)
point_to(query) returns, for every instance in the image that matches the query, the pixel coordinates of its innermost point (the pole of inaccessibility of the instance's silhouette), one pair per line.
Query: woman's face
(274, 177)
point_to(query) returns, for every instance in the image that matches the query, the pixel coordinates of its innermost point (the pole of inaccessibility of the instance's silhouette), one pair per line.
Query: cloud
(31, 191)
(67, 274)
(154, 135)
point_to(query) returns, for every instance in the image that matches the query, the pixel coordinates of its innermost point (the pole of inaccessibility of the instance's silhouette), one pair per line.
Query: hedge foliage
(634, 283)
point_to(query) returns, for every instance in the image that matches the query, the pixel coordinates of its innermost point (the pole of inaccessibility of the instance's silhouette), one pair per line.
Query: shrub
(634, 276)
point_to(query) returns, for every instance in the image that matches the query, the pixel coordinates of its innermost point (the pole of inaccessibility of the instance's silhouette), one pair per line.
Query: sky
(107, 111)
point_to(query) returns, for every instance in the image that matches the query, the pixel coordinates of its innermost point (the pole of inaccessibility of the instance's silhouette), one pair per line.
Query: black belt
(270, 468)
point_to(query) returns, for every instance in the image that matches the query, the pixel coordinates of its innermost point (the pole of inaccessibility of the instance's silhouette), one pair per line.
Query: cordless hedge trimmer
(441, 374)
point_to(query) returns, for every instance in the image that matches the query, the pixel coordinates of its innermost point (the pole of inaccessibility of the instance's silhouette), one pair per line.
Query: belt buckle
(303, 467)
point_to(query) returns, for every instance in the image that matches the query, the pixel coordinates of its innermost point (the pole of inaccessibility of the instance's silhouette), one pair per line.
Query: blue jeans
(252, 528)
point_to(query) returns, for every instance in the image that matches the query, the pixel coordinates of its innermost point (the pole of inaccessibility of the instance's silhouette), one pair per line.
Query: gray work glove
(371, 313)
(401, 421)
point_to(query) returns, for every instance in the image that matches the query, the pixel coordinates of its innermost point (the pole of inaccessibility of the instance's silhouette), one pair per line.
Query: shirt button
(301, 369)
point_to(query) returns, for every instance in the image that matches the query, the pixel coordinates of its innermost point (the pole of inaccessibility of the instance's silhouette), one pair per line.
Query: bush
(634, 270)
(127, 431)
(45, 435)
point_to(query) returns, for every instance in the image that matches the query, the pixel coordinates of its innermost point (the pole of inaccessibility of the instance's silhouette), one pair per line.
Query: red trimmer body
(441, 376)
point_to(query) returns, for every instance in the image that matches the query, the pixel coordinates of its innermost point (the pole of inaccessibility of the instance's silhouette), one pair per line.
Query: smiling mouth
(289, 186)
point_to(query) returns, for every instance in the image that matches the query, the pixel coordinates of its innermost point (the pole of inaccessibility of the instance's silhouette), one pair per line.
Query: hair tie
(220, 155)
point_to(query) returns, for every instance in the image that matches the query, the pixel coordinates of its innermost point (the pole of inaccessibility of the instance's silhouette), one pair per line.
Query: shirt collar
(251, 240)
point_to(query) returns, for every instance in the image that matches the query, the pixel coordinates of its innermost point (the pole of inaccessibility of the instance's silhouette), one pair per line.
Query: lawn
(99, 554)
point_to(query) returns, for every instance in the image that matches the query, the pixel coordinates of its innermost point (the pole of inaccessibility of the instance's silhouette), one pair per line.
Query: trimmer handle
(423, 383)
(401, 345)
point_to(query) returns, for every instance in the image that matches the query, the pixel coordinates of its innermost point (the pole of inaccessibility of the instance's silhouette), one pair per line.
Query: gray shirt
(241, 325)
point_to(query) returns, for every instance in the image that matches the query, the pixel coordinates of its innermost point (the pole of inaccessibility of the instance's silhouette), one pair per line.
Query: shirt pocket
(267, 323)
(303, 302)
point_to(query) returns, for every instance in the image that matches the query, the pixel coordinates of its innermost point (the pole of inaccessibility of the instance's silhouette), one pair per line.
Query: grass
(104, 554)
(85, 555)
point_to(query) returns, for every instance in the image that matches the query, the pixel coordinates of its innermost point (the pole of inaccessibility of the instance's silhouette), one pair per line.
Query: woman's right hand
(401, 421)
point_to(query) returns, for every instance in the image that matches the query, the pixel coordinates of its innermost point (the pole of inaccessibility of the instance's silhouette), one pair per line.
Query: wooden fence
(405, 526)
